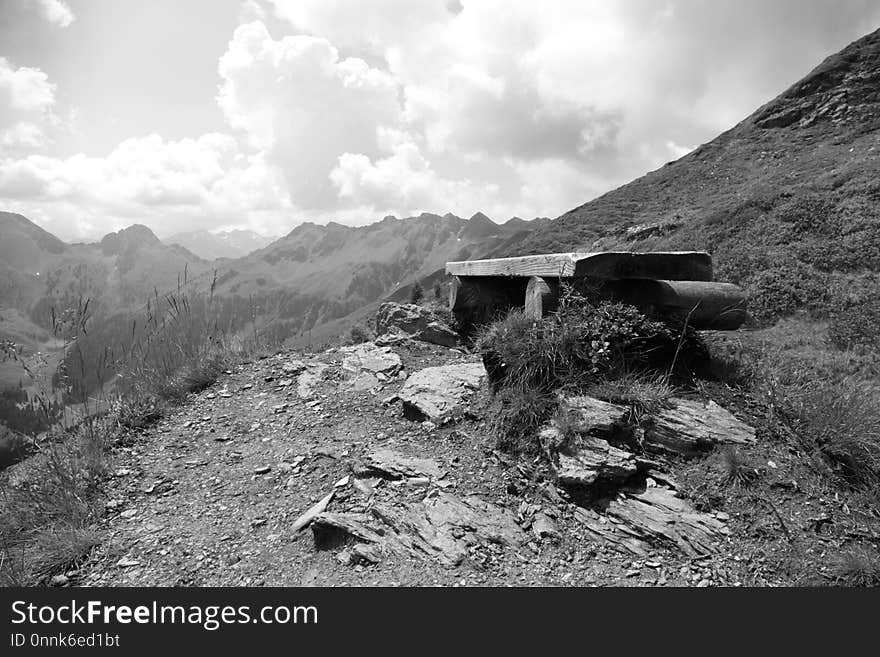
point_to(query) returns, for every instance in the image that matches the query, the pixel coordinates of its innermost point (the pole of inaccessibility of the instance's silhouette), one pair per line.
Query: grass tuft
(738, 471)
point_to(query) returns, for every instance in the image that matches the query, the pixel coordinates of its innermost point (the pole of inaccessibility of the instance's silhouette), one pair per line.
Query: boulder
(407, 317)
(435, 392)
(415, 321)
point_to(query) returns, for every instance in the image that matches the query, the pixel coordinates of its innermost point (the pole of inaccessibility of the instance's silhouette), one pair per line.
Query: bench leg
(542, 296)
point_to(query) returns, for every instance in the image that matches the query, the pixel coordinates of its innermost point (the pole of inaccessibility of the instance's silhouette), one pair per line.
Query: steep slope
(40, 274)
(224, 244)
(317, 274)
(787, 200)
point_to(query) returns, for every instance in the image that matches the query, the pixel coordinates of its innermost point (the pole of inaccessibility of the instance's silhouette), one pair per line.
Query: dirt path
(208, 496)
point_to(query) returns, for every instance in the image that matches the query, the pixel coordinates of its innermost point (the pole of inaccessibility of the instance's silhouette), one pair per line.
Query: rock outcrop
(626, 500)
(444, 527)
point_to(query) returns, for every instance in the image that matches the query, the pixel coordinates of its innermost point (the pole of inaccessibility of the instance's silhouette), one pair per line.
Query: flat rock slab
(691, 427)
(397, 465)
(371, 358)
(634, 522)
(595, 459)
(434, 392)
(442, 527)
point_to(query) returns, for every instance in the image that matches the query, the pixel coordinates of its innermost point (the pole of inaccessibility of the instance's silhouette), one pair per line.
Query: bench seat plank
(670, 265)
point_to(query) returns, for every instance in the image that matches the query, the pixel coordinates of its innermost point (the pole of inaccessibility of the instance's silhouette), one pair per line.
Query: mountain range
(314, 275)
(222, 244)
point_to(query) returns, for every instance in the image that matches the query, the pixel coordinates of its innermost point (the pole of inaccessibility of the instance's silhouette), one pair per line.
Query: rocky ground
(322, 469)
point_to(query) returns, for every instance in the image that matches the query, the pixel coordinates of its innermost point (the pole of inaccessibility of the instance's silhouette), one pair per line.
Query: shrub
(575, 346)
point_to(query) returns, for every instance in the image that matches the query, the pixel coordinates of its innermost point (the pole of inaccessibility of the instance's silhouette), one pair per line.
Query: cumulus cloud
(405, 183)
(203, 182)
(27, 99)
(56, 12)
(579, 89)
(296, 99)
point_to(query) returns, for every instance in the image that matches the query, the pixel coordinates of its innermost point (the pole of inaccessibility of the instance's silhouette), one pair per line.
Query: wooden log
(669, 265)
(705, 305)
(542, 296)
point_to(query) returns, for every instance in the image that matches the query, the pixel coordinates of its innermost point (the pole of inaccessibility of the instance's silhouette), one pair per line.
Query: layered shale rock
(442, 527)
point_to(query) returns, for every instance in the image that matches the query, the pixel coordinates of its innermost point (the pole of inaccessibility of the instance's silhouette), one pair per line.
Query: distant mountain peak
(481, 218)
(234, 243)
(132, 237)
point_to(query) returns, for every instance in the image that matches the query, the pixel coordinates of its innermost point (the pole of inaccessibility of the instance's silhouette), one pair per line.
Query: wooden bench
(672, 284)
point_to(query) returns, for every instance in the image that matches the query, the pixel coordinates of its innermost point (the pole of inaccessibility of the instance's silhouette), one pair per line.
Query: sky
(262, 114)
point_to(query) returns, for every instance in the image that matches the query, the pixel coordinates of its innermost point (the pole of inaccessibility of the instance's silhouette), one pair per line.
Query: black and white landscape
(232, 352)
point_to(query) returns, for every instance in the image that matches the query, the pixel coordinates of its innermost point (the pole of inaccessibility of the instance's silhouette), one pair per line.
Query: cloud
(56, 12)
(199, 183)
(302, 104)
(405, 183)
(27, 99)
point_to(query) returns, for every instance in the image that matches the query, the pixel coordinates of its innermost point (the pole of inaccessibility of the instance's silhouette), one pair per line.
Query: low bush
(605, 349)
(578, 345)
